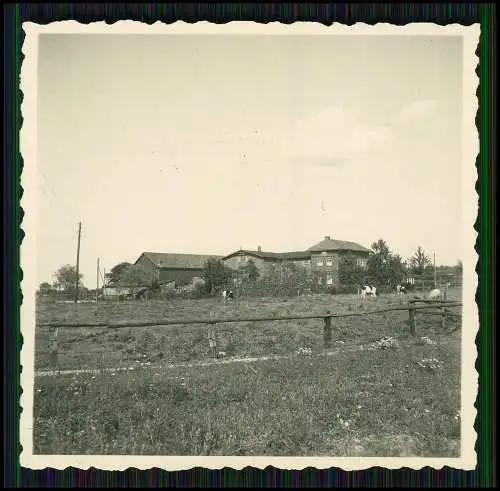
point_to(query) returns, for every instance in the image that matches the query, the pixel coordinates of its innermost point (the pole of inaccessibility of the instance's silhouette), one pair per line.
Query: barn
(172, 267)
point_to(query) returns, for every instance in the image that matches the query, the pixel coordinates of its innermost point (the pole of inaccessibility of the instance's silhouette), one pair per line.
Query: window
(320, 262)
(329, 280)
(361, 263)
(329, 261)
(320, 280)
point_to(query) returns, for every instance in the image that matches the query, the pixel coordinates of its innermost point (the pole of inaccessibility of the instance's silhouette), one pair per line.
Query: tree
(127, 274)
(398, 269)
(116, 273)
(134, 275)
(379, 263)
(249, 271)
(350, 273)
(45, 288)
(459, 267)
(287, 278)
(419, 262)
(215, 274)
(383, 267)
(65, 278)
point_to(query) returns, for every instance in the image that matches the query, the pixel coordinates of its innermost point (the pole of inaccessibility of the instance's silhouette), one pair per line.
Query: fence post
(212, 339)
(327, 330)
(443, 318)
(411, 312)
(54, 349)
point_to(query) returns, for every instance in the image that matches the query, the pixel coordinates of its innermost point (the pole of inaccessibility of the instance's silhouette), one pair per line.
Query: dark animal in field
(227, 295)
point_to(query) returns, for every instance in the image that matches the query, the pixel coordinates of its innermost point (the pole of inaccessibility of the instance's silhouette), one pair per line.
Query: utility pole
(97, 284)
(435, 281)
(78, 261)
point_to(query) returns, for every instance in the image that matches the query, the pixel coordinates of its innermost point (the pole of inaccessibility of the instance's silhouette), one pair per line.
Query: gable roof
(171, 260)
(271, 256)
(328, 244)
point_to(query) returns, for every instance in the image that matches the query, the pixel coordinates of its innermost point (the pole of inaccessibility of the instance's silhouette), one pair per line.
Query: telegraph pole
(78, 261)
(435, 282)
(97, 284)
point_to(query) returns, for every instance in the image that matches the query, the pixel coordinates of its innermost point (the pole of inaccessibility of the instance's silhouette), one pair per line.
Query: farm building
(178, 268)
(325, 256)
(322, 259)
(263, 260)
(120, 291)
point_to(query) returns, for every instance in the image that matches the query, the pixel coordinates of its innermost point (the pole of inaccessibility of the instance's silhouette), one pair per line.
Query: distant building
(326, 255)
(118, 291)
(263, 260)
(171, 267)
(321, 259)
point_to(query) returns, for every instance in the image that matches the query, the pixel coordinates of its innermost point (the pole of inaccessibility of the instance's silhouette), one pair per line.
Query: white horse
(436, 293)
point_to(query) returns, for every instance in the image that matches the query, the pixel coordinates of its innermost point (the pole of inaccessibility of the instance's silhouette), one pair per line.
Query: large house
(178, 268)
(321, 259)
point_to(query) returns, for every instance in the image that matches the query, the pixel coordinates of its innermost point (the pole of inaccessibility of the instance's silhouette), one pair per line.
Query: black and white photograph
(249, 244)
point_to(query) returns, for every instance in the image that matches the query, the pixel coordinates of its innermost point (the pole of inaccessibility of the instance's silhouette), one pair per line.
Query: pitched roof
(328, 244)
(172, 260)
(272, 256)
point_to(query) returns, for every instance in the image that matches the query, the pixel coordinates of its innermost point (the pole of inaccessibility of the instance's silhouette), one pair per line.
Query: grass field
(360, 400)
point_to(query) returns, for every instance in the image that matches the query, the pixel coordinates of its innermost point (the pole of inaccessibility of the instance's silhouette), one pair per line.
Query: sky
(205, 144)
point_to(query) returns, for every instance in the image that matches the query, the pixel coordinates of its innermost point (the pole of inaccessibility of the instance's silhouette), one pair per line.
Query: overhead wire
(62, 208)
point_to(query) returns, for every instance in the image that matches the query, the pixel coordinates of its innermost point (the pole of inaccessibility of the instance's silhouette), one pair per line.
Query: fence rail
(327, 317)
(212, 320)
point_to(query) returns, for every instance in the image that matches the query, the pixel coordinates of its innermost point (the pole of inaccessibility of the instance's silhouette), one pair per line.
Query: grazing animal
(368, 290)
(227, 294)
(401, 290)
(436, 293)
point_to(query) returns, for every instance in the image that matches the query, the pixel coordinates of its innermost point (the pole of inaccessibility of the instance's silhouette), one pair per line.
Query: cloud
(332, 138)
(416, 110)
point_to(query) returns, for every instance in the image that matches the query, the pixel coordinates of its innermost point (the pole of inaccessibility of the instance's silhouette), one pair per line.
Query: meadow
(398, 397)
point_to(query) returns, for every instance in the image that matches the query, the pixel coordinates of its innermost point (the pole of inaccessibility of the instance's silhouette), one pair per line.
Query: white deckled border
(28, 141)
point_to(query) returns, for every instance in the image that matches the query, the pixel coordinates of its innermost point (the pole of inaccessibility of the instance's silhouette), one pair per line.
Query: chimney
(327, 237)
(259, 249)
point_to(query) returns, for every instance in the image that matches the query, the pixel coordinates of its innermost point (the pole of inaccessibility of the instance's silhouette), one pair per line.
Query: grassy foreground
(365, 402)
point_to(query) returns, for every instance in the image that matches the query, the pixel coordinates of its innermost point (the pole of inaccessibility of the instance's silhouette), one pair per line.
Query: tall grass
(370, 402)
(89, 347)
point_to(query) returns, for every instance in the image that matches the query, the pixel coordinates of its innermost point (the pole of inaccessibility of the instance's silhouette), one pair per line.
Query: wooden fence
(328, 321)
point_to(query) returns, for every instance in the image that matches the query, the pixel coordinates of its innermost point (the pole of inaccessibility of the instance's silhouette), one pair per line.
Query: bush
(199, 291)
